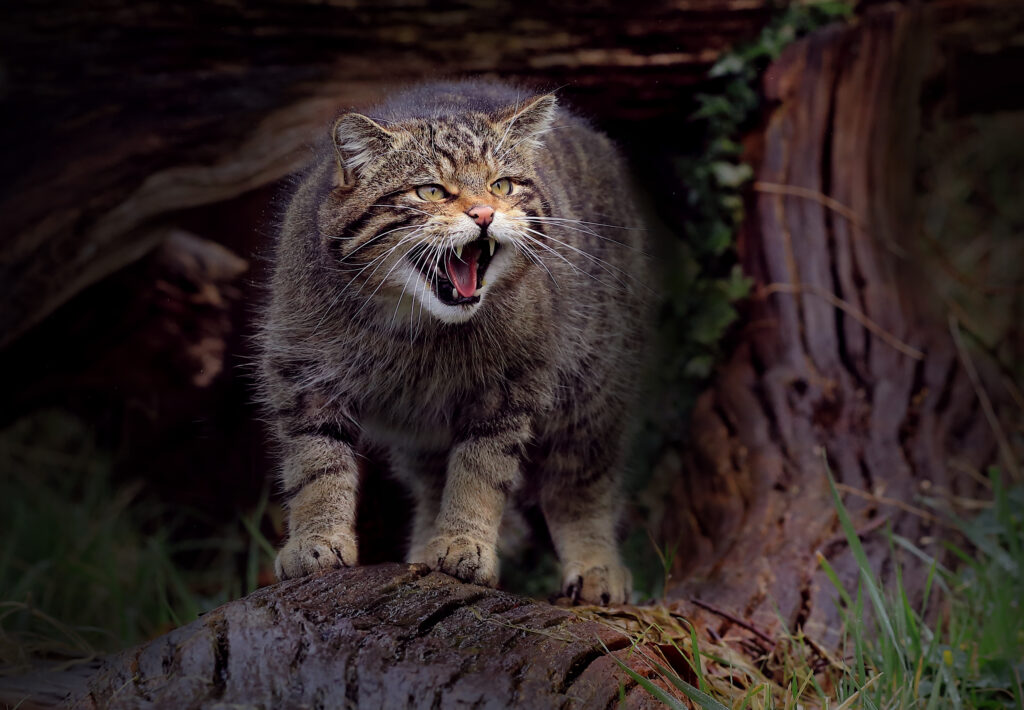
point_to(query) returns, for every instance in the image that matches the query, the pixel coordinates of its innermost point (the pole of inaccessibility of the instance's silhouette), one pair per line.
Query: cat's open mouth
(457, 274)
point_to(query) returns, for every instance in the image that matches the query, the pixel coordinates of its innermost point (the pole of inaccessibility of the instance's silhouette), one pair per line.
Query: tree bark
(844, 354)
(386, 636)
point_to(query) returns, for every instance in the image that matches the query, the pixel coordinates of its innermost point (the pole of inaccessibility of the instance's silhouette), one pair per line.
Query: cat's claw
(602, 585)
(307, 554)
(469, 560)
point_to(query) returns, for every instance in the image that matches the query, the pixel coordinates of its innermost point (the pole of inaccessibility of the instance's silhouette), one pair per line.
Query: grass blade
(853, 540)
(647, 685)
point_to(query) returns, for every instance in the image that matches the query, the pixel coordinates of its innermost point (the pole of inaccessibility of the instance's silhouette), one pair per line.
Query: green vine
(704, 281)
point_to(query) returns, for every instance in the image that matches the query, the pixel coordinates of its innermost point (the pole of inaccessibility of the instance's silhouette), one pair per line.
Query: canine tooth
(455, 295)
(492, 244)
(458, 251)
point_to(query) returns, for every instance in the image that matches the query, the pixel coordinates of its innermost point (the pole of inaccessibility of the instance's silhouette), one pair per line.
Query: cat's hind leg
(580, 497)
(423, 475)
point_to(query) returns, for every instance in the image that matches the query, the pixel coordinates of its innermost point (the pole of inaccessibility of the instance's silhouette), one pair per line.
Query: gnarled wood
(389, 636)
(842, 353)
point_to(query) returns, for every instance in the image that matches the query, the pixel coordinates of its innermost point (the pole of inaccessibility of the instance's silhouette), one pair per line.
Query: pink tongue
(462, 272)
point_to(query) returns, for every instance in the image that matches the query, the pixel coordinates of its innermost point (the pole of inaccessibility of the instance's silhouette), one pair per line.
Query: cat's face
(434, 215)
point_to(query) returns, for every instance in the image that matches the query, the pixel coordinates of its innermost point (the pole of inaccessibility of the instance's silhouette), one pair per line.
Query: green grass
(972, 654)
(87, 566)
(968, 654)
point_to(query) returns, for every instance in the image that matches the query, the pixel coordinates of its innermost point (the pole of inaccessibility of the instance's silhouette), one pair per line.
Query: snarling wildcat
(459, 282)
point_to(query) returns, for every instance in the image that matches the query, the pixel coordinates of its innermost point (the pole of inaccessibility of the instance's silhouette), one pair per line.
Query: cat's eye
(431, 193)
(502, 187)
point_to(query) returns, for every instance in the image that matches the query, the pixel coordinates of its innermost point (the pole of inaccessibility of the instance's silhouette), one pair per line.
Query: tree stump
(843, 354)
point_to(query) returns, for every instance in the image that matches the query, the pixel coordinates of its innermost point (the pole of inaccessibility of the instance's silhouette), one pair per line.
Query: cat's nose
(481, 214)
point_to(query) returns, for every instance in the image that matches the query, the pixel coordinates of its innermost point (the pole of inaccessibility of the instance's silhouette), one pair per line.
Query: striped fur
(528, 389)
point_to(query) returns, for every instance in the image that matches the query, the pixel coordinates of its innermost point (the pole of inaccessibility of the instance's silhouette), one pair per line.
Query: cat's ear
(524, 125)
(358, 141)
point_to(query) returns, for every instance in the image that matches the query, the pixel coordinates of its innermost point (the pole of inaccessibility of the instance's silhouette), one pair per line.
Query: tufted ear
(358, 141)
(523, 126)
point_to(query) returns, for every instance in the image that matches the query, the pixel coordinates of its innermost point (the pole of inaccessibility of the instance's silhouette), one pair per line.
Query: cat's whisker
(557, 222)
(581, 230)
(600, 263)
(525, 249)
(405, 286)
(574, 267)
(380, 258)
(375, 239)
(383, 280)
(515, 117)
(430, 254)
(530, 137)
(541, 218)
(327, 312)
(619, 284)
(435, 264)
(404, 207)
(561, 256)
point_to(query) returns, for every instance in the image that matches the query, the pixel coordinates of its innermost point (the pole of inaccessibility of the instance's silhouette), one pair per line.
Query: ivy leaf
(719, 238)
(729, 64)
(699, 366)
(731, 174)
(737, 286)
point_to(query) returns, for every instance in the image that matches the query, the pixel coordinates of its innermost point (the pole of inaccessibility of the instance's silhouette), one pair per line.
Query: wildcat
(459, 282)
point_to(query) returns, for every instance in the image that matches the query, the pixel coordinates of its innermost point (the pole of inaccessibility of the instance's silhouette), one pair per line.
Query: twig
(734, 619)
(848, 703)
(1014, 391)
(872, 526)
(890, 501)
(845, 211)
(966, 467)
(986, 403)
(571, 637)
(824, 655)
(836, 206)
(857, 315)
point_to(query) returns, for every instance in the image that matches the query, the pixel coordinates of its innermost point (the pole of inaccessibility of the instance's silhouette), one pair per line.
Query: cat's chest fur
(423, 393)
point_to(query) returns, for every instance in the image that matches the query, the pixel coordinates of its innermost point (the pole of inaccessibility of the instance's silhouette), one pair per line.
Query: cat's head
(431, 215)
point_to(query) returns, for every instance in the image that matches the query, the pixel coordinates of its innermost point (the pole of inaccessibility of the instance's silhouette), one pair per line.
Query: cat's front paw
(602, 584)
(462, 557)
(306, 554)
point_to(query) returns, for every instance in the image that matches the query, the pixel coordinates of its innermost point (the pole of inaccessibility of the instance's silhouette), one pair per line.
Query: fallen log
(387, 636)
